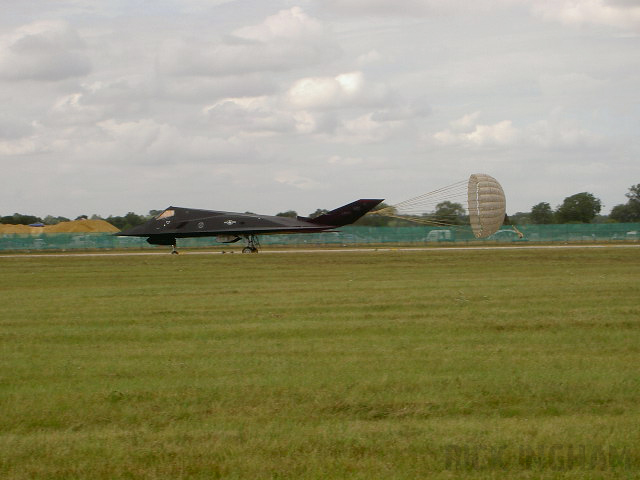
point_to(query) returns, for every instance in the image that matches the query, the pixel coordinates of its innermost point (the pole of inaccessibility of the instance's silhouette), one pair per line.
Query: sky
(245, 105)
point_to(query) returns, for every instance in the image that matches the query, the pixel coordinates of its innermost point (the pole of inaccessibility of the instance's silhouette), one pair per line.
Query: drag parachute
(486, 206)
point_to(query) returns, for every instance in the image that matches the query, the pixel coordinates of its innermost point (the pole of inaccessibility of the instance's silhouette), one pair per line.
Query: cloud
(365, 129)
(201, 89)
(147, 141)
(295, 180)
(502, 133)
(345, 161)
(342, 91)
(43, 51)
(371, 57)
(264, 117)
(564, 85)
(559, 133)
(72, 109)
(467, 131)
(12, 128)
(324, 106)
(287, 25)
(552, 133)
(415, 110)
(326, 92)
(466, 122)
(285, 41)
(200, 6)
(21, 146)
(614, 13)
(33, 139)
(406, 8)
(258, 116)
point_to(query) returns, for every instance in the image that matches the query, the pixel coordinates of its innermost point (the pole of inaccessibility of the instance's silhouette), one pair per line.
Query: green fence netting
(351, 235)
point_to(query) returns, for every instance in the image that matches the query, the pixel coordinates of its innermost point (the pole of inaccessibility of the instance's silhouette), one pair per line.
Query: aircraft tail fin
(346, 214)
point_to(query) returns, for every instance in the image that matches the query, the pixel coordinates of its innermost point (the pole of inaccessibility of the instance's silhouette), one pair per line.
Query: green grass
(402, 365)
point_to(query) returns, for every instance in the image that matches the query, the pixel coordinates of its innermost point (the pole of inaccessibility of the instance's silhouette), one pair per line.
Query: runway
(315, 250)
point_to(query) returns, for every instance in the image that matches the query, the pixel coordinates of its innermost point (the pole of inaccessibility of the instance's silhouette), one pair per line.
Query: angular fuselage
(179, 222)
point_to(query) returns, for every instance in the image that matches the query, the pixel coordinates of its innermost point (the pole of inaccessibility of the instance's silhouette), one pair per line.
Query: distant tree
(82, 217)
(95, 216)
(449, 212)
(634, 193)
(578, 208)
(542, 214)
(20, 219)
(600, 219)
(132, 220)
(117, 222)
(623, 213)
(630, 211)
(520, 218)
(128, 221)
(318, 212)
(51, 220)
(288, 213)
(153, 213)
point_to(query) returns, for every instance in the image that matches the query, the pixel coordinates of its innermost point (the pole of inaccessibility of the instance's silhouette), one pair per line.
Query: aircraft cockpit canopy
(166, 214)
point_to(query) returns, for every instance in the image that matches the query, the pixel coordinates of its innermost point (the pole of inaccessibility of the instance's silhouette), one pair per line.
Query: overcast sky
(132, 105)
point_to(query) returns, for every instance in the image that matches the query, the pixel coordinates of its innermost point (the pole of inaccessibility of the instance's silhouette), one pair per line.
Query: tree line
(582, 207)
(129, 220)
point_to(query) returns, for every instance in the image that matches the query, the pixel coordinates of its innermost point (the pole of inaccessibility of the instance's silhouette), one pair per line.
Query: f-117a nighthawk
(229, 227)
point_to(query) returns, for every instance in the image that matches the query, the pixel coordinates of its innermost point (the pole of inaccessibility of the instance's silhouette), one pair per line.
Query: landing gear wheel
(174, 252)
(252, 244)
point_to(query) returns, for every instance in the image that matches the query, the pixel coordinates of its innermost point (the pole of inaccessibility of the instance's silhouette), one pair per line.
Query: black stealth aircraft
(229, 227)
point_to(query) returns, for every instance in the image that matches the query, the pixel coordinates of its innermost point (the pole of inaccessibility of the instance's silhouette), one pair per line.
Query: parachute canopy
(485, 203)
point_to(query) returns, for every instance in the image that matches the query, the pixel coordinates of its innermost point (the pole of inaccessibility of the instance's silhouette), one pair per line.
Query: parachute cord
(421, 203)
(483, 205)
(429, 197)
(422, 220)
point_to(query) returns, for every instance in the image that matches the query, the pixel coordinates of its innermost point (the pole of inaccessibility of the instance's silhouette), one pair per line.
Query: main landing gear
(252, 244)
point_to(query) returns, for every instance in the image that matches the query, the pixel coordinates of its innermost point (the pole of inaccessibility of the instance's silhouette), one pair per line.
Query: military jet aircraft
(229, 227)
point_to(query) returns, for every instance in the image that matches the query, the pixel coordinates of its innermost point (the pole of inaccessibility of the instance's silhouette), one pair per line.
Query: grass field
(399, 365)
